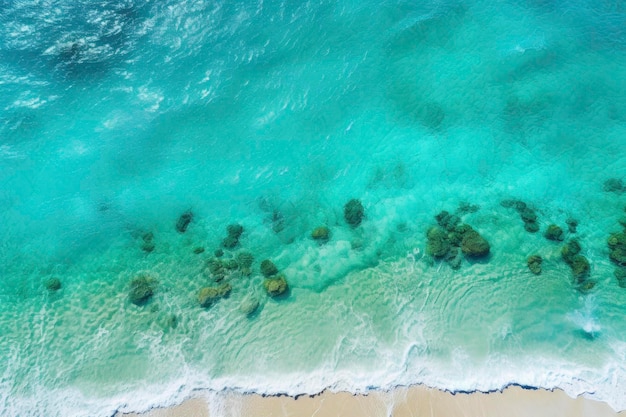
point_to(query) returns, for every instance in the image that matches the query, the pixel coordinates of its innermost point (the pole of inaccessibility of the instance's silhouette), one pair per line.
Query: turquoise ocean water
(119, 116)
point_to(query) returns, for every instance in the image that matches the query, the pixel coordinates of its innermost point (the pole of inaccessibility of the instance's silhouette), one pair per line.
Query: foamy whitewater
(117, 117)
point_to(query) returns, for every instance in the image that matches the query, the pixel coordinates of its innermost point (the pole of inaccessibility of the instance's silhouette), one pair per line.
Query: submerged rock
(147, 244)
(614, 185)
(580, 268)
(142, 289)
(353, 212)
(278, 221)
(447, 221)
(474, 245)
(171, 321)
(268, 268)
(617, 248)
(527, 214)
(571, 249)
(208, 296)
(508, 203)
(438, 243)
(183, 221)
(234, 230)
(198, 250)
(554, 232)
(534, 264)
(249, 306)
(466, 208)
(52, 284)
(572, 224)
(321, 234)
(230, 242)
(245, 259)
(454, 258)
(234, 233)
(456, 236)
(230, 264)
(276, 286)
(531, 227)
(620, 275)
(215, 266)
(586, 285)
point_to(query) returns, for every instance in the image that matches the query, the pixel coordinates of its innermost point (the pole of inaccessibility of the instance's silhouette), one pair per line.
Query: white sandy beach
(415, 401)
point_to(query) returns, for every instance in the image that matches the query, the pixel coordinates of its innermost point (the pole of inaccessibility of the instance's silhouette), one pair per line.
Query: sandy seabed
(416, 401)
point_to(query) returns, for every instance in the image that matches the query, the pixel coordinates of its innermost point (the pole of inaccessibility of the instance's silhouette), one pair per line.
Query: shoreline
(413, 401)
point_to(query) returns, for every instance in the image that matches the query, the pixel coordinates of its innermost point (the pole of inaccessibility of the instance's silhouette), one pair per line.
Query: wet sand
(417, 401)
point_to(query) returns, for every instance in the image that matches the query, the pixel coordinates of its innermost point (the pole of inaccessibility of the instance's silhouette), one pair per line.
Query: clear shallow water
(117, 117)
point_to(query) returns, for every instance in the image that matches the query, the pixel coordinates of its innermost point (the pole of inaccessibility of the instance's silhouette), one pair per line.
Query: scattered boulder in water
(447, 221)
(216, 269)
(474, 245)
(321, 234)
(554, 232)
(249, 306)
(230, 242)
(579, 264)
(230, 264)
(171, 321)
(586, 285)
(450, 240)
(268, 268)
(569, 250)
(534, 264)
(531, 227)
(142, 289)
(357, 244)
(275, 286)
(620, 275)
(614, 185)
(234, 233)
(244, 259)
(527, 214)
(438, 243)
(572, 224)
(52, 284)
(183, 221)
(234, 230)
(198, 250)
(147, 244)
(208, 296)
(454, 258)
(218, 253)
(456, 236)
(580, 268)
(617, 248)
(278, 221)
(508, 203)
(467, 208)
(353, 212)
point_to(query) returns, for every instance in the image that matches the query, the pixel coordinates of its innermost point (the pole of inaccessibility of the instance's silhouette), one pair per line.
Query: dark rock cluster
(527, 214)
(354, 212)
(234, 232)
(617, 253)
(579, 264)
(614, 185)
(451, 239)
(142, 289)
